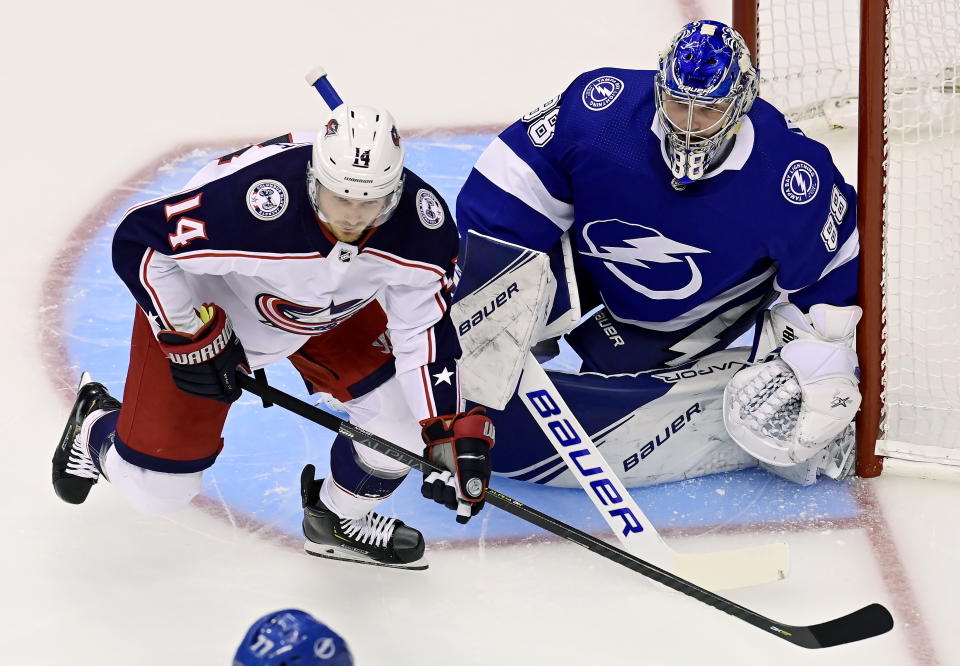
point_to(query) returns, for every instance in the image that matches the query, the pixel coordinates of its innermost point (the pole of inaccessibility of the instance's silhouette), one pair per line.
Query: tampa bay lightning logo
(644, 259)
(305, 319)
(602, 92)
(800, 182)
(325, 648)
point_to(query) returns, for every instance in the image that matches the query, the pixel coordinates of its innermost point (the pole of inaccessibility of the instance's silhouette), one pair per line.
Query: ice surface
(98, 96)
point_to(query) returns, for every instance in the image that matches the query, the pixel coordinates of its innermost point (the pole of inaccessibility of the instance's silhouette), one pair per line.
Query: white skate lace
(79, 463)
(372, 529)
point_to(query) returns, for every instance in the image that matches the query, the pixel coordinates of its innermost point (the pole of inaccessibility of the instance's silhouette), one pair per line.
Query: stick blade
(867, 622)
(732, 569)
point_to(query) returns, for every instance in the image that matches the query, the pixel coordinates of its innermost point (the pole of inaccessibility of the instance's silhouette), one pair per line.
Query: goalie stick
(498, 309)
(739, 567)
(867, 622)
(717, 570)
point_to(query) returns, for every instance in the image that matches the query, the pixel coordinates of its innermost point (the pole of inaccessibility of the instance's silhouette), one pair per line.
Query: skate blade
(344, 555)
(85, 379)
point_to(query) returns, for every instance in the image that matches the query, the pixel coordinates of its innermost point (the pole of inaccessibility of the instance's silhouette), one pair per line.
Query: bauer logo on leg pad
(671, 428)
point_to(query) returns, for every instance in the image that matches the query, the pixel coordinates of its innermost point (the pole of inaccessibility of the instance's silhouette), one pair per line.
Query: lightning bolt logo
(649, 247)
(706, 336)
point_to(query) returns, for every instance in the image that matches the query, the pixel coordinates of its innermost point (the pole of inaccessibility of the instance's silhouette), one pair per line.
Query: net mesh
(808, 56)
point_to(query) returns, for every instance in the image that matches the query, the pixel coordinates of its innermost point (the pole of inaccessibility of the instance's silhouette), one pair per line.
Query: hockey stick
(719, 570)
(867, 622)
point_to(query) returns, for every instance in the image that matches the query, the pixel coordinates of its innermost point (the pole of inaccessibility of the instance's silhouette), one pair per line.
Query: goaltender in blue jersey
(687, 206)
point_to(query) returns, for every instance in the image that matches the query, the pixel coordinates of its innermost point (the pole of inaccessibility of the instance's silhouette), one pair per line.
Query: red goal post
(890, 68)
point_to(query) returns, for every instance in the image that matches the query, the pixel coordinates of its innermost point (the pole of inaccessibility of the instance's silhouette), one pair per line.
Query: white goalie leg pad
(149, 492)
(786, 410)
(502, 300)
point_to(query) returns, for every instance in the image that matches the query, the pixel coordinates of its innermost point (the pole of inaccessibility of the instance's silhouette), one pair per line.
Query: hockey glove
(459, 443)
(205, 363)
(787, 409)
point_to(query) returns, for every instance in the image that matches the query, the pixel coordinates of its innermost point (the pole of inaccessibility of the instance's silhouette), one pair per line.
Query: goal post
(891, 69)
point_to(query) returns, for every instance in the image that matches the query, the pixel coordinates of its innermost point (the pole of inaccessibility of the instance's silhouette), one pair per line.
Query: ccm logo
(488, 310)
(567, 437)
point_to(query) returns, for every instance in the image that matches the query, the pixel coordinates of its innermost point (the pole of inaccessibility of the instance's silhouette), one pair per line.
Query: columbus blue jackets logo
(644, 259)
(305, 319)
(332, 128)
(602, 92)
(800, 182)
(267, 199)
(429, 209)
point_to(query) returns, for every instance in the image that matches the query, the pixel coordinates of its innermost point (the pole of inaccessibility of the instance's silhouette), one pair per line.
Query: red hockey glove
(205, 364)
(460, 443)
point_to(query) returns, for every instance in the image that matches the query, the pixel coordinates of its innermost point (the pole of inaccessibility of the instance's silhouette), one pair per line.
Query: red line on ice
(63, 375)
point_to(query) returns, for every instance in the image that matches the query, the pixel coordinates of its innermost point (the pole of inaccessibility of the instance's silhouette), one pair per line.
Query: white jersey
(243, 235)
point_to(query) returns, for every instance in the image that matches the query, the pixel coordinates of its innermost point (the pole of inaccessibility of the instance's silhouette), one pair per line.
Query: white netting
(809, 60)
(808, 54)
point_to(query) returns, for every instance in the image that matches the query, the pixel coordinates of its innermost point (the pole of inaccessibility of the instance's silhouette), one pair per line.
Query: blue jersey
(687, 270)
(243, 235)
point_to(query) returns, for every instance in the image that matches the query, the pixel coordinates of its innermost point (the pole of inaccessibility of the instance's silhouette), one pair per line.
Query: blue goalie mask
(291, 638)
(706, 83)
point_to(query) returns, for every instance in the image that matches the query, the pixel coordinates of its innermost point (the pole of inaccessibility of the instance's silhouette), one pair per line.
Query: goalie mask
(706, 83)
(355, 177)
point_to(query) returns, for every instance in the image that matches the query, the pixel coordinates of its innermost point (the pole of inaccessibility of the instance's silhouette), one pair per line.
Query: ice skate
(372, 539)
(73, 470)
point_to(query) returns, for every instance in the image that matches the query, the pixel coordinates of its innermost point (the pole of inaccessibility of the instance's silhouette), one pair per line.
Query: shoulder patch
(800, 183)
(267, 199)
(602, 92)
(429, 209)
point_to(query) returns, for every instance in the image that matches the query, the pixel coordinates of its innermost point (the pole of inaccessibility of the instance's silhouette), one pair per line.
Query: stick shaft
(869, 621)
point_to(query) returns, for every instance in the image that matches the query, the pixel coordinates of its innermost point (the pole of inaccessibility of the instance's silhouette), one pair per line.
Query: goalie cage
(890, 69)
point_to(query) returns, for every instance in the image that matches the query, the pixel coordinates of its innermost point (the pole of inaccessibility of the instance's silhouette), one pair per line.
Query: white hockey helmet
(358, 155)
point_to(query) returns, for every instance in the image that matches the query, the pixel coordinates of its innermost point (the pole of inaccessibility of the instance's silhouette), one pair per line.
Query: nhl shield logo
(800, 183)
(602, 92)
(267, 199)
(429, 209)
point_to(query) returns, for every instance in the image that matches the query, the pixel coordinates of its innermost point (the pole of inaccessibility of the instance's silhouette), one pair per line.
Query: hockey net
(905, 108)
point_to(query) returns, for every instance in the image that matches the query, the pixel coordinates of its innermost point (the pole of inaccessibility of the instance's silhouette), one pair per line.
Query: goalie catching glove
(460, 444)
(205, 363)
(786, 410)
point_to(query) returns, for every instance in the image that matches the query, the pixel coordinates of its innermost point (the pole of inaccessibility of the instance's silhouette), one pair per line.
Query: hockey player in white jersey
(327, 252)
(676, 206)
